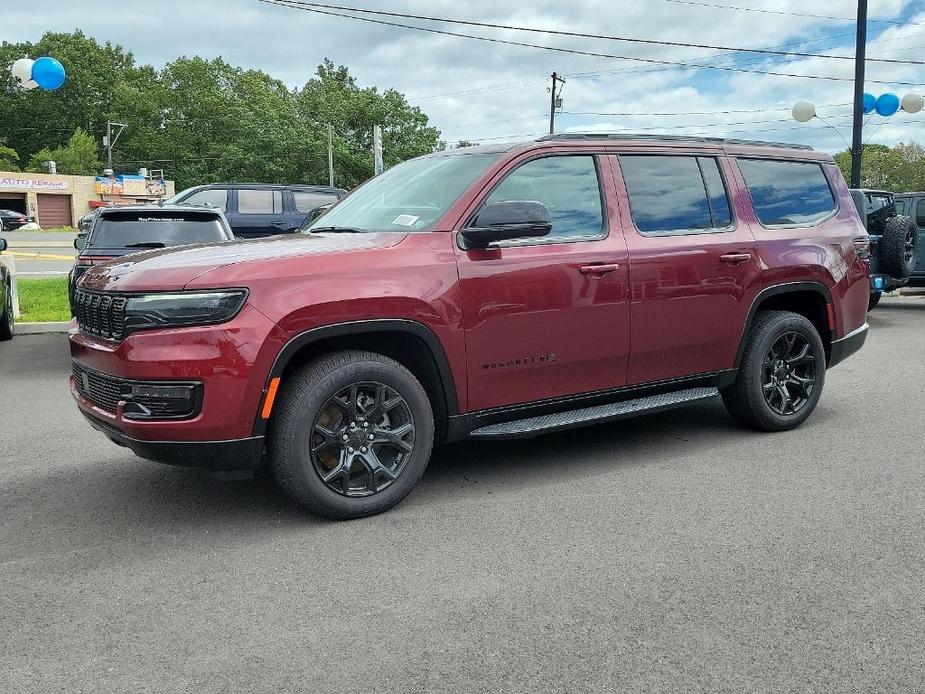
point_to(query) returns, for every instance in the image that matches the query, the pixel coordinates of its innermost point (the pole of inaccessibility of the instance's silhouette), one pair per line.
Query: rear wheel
(6, 315)
(781, 374)
(352, 434)
(874, 300)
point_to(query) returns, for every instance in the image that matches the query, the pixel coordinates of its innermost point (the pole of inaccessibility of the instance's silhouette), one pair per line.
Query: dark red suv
(488, 292)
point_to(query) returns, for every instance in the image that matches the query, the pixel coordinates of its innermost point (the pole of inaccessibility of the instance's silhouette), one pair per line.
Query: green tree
(79, 157)
(897, 169)
(9, 159)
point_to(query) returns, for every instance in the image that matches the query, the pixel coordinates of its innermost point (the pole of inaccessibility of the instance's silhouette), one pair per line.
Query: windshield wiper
(343, 230)
(146, 244)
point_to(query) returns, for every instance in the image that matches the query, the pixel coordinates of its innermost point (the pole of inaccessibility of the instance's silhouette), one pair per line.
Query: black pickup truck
(893, 242)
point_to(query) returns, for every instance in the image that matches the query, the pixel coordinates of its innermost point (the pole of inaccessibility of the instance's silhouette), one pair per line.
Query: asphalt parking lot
(669, 553)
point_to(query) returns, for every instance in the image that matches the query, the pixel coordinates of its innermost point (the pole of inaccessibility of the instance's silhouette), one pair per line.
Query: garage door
(54, 210)
(13, 201)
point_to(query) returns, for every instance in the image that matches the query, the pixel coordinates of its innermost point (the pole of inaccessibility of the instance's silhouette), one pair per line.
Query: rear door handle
(279, 222)
(598, 269)
(735, 258)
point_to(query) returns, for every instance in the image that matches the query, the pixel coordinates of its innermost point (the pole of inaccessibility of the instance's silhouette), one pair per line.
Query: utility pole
(857, 144)
(109, 141)
(330, 155)
(554, 101)
(377, 150)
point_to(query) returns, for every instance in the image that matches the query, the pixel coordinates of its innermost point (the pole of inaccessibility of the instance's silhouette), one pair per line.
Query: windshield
(156, 229)
(412, 196)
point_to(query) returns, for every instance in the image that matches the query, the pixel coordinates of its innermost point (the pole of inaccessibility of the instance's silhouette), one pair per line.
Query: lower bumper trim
(216, 456)
(848, 345)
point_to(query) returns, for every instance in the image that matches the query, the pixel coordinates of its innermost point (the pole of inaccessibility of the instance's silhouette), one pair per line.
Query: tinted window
(151, 229)
(920, 213)
(213, 196)
(900, 206)
(260, 201)
(787, 192)
(306, 202)
(569, 188)
(670, 194)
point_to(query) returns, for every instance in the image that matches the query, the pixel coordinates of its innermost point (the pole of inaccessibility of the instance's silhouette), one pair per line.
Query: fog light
(167, 401)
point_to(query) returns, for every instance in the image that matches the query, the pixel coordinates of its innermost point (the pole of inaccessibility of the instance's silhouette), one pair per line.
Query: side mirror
(502, 221)
(2, 245)
(80, 242)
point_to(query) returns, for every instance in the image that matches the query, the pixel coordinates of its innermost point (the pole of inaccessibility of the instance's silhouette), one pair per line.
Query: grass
(60, 230)
(42, 300)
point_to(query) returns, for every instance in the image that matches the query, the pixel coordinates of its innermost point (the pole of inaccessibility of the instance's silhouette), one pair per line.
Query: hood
(173, 268)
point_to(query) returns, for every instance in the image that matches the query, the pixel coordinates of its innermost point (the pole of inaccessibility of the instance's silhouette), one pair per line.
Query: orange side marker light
(271, 396)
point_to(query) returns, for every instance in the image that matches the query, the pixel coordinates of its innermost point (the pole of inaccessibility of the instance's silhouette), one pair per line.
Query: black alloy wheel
(362, 439)
(789, 373)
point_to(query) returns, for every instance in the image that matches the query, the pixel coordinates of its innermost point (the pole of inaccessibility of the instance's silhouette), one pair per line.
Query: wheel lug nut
(365, 425)
(350, 449)
(363, 450)
(370, 437)
(346, 438)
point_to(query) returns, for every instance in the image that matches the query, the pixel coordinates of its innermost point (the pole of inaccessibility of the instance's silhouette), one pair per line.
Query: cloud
(478, 90)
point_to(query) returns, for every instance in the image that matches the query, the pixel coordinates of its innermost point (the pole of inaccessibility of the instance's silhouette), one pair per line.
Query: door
(693, 266)
(548, 317)
(258, 212)
(920, 223)
(54, 210)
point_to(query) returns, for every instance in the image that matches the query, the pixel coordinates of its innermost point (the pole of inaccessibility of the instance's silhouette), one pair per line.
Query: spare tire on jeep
(898, 252)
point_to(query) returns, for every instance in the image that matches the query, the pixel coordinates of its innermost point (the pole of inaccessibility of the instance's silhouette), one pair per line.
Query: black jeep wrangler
(893, 242)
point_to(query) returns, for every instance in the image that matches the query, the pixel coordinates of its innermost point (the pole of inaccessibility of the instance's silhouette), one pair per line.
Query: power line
(576, 34)
(828, 78)
(789, 14)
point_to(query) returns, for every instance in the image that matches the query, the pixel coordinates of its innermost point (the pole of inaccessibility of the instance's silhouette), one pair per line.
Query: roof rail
(669, 138)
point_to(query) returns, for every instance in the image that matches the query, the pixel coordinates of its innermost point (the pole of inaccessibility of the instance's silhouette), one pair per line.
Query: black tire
(874, 300)
(749, 400)
(898, 247)
(6, 316)
(310, 394)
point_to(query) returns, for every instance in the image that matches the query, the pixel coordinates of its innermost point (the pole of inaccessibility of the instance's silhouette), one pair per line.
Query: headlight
(147, 311)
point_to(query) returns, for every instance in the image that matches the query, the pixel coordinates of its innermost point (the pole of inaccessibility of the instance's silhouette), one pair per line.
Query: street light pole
(857, 144)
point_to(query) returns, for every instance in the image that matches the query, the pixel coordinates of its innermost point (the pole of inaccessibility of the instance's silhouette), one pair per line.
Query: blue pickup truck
(260, 209)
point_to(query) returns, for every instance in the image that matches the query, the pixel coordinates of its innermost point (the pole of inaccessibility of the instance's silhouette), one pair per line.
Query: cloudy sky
(485, 91)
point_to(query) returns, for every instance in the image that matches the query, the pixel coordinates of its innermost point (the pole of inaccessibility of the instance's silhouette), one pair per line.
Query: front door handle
(599, 269)
(279, 222)
(735, 258)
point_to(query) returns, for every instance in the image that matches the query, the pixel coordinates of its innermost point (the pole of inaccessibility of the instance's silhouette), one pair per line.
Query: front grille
(100, 314)
(103, 391)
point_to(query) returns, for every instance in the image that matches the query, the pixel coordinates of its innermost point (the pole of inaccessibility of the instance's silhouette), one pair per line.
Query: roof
(155, 207)
(668, 138)
(273, 186)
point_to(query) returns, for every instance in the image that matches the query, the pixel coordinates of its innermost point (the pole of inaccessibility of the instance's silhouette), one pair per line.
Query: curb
(40, 328)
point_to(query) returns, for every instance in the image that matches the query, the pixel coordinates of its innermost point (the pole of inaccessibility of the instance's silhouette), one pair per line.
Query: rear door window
(900, 206)
(260, 201)
(787, 193)
(675, 194)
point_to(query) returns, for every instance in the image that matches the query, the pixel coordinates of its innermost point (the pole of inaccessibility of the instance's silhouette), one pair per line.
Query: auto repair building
(57, 201)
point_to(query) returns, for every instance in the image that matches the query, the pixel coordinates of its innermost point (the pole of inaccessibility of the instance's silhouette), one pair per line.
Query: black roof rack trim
(669, 138)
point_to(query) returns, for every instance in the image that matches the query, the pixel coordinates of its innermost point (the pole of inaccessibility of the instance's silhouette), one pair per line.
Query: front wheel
(352, 434)
(781, 374)
(874, 300)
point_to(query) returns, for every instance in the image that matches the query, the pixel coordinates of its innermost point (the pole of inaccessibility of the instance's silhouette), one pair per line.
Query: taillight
(90, 260)
(862, 247)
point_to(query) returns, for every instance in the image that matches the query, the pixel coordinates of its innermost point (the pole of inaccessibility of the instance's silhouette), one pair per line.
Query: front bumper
(848, 345)
(215, 456)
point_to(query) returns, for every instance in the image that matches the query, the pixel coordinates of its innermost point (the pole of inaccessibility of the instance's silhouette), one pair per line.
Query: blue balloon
(870, 101)
(48, 73)
(887, 104)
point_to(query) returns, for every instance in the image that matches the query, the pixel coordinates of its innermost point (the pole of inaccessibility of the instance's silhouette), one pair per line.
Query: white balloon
(30, 84)
(803, 111)
(22, 70)
(912, 103)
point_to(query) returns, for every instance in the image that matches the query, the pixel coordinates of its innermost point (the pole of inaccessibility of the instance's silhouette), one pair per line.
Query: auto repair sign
(32, 184)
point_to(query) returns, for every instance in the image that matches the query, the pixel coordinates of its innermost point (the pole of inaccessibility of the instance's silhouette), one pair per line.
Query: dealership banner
(131, 186)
